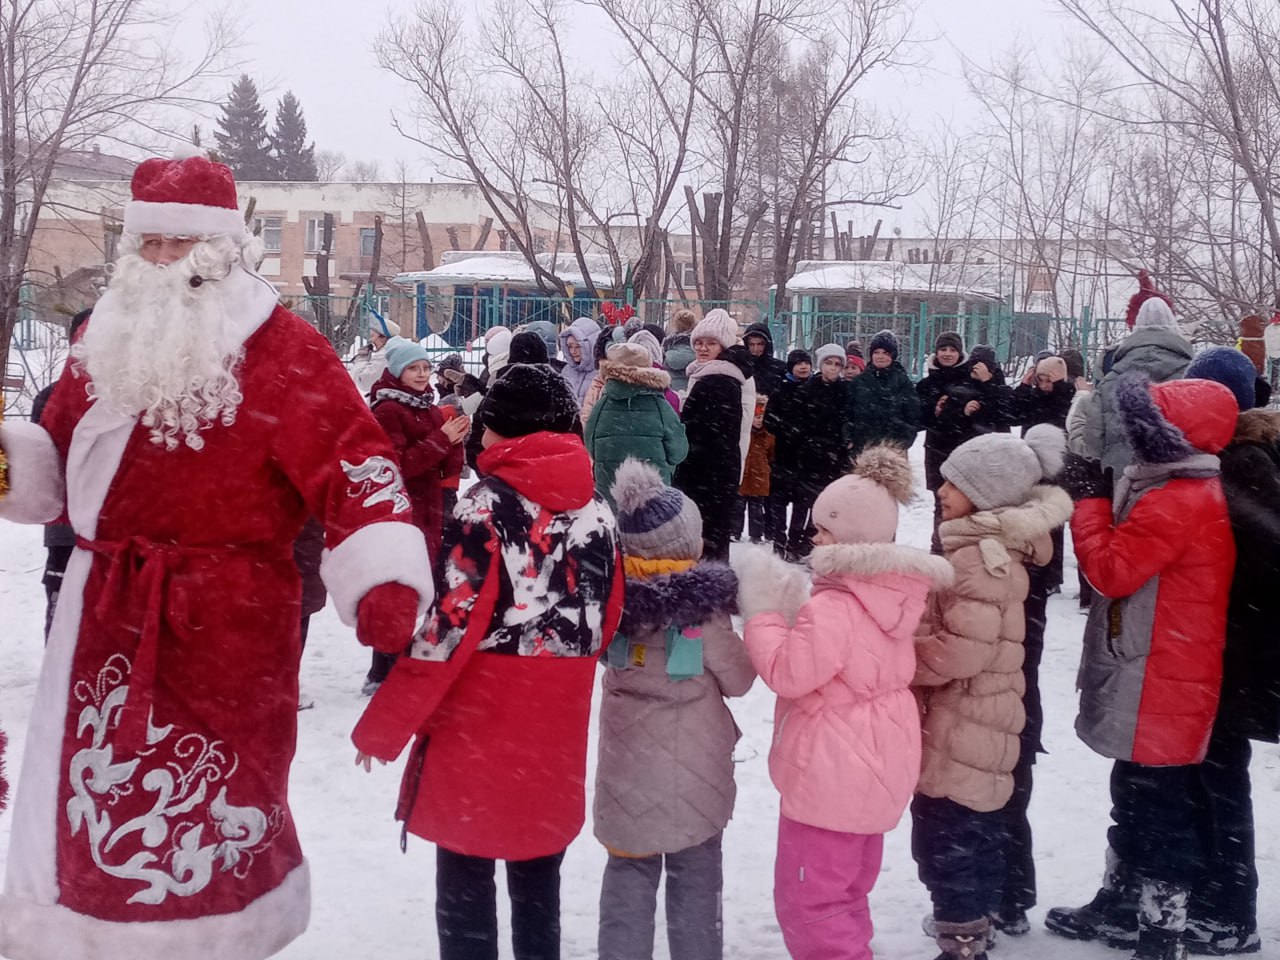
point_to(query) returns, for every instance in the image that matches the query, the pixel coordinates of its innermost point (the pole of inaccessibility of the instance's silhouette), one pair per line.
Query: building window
(913, 255)
(689, 275)
(268, 230)
(1040, 280)
(314, 239)
(368, 235)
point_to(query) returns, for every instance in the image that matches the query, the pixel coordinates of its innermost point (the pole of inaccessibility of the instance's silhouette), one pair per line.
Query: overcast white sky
(323, 52)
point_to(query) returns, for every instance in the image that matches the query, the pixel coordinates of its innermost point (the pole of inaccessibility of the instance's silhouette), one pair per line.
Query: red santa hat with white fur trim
(183, 197)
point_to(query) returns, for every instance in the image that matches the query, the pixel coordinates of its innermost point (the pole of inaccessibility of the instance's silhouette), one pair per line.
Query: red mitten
(387, 616)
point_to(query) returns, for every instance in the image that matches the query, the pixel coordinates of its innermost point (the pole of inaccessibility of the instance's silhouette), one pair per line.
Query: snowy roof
(489, 267)
(887, 276)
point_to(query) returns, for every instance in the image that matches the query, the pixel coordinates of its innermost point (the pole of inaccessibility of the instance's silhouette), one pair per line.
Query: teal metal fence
(460, 318)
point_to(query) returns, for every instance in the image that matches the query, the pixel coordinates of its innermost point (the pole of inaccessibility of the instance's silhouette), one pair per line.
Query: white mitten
(766, 583)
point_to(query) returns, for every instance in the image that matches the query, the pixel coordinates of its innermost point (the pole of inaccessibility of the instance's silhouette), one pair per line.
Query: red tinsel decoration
(616, 315)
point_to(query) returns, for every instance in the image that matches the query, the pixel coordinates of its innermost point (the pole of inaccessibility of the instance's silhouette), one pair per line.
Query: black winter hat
(452, 362)
(530, 398)
(885, 340)
(527, 347)
(1075, 363)
(948, 338)
(659, 334)
(984, 353)
(798, 356)
(853, 348)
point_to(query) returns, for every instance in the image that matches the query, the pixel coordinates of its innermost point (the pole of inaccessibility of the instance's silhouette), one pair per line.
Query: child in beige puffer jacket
(996, 516)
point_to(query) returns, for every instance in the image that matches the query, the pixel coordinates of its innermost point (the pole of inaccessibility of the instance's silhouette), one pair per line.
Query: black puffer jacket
(784, 418)
(823, 450)
(941, 436)
(1034, 406)
(767, 369)
(1250, 704)
(953, 426)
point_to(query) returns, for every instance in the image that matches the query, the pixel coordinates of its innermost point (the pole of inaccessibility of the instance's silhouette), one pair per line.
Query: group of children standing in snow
(902, 677)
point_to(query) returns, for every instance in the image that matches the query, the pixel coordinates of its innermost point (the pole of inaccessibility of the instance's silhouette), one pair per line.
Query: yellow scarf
(641, 568)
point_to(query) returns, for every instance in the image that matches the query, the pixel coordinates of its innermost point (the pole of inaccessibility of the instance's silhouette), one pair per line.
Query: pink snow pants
(820, 885)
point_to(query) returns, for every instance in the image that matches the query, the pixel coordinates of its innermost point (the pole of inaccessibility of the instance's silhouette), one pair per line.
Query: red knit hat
(187, 197)
(1146, 291)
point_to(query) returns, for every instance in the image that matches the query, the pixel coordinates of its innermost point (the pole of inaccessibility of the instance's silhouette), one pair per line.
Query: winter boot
(1207, 938)
(1111, 917)
(963, 941)
(1012, 922)
(1162, 921)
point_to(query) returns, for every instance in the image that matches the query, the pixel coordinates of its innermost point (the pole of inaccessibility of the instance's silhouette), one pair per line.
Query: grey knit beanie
(999, 470)
(830, 351)
(655, 522)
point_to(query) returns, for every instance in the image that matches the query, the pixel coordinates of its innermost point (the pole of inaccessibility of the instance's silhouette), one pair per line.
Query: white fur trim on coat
(36, 490)
(386, 552)
(181, 219)
(873, 559)
(33, 931)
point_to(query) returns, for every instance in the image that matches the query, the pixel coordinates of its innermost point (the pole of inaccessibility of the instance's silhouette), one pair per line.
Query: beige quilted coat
(969, 650)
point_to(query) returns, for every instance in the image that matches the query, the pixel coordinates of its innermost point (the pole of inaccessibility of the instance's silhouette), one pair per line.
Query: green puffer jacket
(634, 419)
(883, 407)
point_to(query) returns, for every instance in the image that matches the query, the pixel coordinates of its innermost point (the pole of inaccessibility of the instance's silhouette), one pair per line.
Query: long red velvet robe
(152, 817)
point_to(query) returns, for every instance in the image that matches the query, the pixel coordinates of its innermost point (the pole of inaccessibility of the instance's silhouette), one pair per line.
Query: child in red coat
(495, 692)
(428, 445)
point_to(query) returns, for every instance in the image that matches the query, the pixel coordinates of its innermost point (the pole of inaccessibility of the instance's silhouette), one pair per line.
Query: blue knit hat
(1229, 367)
(655, 522)
(400, 353)
(884, 340)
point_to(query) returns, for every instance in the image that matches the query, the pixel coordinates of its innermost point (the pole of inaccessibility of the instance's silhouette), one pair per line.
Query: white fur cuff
(386, 552)
(36, 488)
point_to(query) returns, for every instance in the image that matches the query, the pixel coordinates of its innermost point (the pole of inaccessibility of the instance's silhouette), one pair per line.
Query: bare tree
(329, 164)
(75, 73)
(1207, 70)
(548, 144)
(362, 171)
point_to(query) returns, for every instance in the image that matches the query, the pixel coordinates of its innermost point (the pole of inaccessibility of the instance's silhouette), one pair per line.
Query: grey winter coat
(1160, 354)
(664, 781)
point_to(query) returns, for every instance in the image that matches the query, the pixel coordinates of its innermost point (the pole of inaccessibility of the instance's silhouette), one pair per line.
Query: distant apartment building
(79, 231)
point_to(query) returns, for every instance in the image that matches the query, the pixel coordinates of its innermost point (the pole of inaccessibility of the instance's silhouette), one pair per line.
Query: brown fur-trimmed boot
(963, 941)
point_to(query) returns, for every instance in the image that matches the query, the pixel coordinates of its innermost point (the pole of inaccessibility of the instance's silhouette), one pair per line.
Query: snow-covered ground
(372, 901)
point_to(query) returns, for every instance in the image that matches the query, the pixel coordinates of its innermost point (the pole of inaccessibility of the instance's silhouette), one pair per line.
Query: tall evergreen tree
(243, 143)
(295, 159)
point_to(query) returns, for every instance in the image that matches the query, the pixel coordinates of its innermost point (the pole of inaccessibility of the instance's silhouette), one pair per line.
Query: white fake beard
(158, 347)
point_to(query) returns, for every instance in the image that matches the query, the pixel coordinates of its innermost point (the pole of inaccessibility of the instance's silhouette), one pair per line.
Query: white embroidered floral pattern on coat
(169, 854)
(378, 480)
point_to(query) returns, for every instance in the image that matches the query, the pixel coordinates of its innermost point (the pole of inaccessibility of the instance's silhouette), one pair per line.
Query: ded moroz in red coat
(498, 689)
(1161, 558)
(412, 424)
(152, 815)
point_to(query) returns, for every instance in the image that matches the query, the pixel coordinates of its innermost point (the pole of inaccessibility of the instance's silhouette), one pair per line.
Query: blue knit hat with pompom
(655, 521)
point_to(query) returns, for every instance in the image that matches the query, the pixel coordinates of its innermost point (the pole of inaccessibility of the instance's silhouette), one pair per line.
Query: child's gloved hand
(766, 583)
(1084, 479)
(387, 616)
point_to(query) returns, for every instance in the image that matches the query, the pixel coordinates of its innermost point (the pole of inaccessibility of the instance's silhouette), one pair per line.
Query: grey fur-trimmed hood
(691, 596)
(871, 559)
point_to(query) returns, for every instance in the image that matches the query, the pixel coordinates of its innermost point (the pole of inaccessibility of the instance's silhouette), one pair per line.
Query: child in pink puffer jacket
(846, 743)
